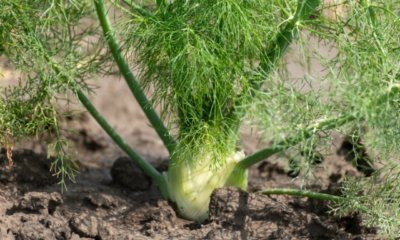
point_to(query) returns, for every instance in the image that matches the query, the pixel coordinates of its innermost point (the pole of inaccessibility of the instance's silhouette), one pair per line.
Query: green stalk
(284, 38)
(134, 86)
(146, 167)
(137, 8)
(301, 193)
(160, 3)
(278, 47)
(326, 124)
(143, 164)
(372, 20)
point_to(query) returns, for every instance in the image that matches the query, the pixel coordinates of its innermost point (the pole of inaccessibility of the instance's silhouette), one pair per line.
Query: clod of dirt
(4, 205)
(233, 206)
(5, 234)
(37, 203)
(33, 227)
(29, 168)
(101, 200)
(263, 217)
(34, 230)
(223, 234)
(318, 229)
(85, 226)
(163, 218)
(163, 213)
(75, 236)
(125, 173)
(107, 231)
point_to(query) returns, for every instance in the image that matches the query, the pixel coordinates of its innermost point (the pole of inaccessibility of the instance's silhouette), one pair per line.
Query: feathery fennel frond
(368, 78)
(376, 198)
(362, 78)
(43, 43)
(199, 57)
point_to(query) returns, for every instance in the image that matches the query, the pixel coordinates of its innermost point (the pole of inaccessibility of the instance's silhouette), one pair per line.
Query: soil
(112, 199)
(106, 204)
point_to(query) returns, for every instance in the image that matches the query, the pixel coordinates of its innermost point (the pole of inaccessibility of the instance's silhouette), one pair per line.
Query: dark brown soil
(99, 206)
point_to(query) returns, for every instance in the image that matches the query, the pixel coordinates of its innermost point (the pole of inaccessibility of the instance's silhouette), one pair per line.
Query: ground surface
(113, 200)
(110, 204)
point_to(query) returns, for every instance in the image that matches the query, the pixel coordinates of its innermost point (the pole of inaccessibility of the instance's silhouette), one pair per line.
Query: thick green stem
(143, 164)
(190, 184)
(301, 193)
(134, 86)
(303, 134)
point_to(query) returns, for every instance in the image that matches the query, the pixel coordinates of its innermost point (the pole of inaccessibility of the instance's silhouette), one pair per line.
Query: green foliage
(307, 155)
(44, 44)
(376, 198)
(367, 76)
(199, 57)
(362, 79)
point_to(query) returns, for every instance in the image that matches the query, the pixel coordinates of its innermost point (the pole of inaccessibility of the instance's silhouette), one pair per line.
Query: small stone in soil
(101, 200)
(85, 225)
(89, 226)
(125, 173)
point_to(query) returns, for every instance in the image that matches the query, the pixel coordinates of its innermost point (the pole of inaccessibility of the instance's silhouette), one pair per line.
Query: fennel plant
(213, 65)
